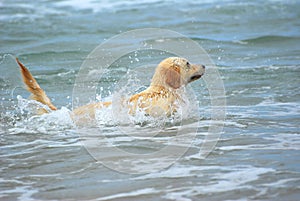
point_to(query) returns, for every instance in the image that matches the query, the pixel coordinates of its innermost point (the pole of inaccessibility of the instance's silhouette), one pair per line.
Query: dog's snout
(200, 66)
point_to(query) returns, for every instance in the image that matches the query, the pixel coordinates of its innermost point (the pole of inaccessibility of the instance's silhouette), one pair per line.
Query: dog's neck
(158, 81)
(162, 88)
(158, 88)
(170, 92)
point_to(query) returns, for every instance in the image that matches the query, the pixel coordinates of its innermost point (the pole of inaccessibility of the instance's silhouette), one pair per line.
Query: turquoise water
(256, 48)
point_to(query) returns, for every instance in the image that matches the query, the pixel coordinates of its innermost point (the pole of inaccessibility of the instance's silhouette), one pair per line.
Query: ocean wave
(260, 39)
(268, 39)
(26, 11)
(97, 6)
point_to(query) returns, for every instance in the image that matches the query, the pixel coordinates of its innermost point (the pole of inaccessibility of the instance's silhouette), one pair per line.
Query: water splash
(24, 118)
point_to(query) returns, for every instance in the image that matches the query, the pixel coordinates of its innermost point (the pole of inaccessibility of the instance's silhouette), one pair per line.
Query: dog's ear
(173, 78)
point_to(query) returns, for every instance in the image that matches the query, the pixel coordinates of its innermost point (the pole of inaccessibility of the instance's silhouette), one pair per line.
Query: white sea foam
(228, 179)
(176, 171)
(97, 6)
(25, 192)
(145, 191)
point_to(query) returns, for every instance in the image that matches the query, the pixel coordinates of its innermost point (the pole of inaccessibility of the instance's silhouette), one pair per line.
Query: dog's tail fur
(37, 93)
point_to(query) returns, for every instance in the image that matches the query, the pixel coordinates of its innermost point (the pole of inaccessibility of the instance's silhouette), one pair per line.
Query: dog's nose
(203, 66)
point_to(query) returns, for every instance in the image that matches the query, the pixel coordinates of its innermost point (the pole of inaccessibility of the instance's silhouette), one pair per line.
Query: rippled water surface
(256, 48)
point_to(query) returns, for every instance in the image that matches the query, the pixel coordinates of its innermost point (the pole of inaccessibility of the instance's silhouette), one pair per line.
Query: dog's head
(175, 72)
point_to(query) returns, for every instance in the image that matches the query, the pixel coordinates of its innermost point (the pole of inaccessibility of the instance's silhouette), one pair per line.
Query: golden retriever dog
(158, 99)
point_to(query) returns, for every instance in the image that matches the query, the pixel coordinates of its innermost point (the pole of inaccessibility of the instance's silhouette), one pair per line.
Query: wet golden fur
(158, 99)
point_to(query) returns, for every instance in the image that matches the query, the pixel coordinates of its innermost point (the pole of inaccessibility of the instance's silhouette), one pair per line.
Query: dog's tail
(37, 93)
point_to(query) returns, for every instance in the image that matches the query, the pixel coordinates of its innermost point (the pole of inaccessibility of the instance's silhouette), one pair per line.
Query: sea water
(256, 49)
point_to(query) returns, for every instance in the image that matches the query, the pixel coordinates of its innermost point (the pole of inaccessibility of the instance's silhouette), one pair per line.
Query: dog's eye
(188, 64)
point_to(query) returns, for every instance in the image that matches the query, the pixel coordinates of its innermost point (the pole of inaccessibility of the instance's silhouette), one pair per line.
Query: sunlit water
(256, 47)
